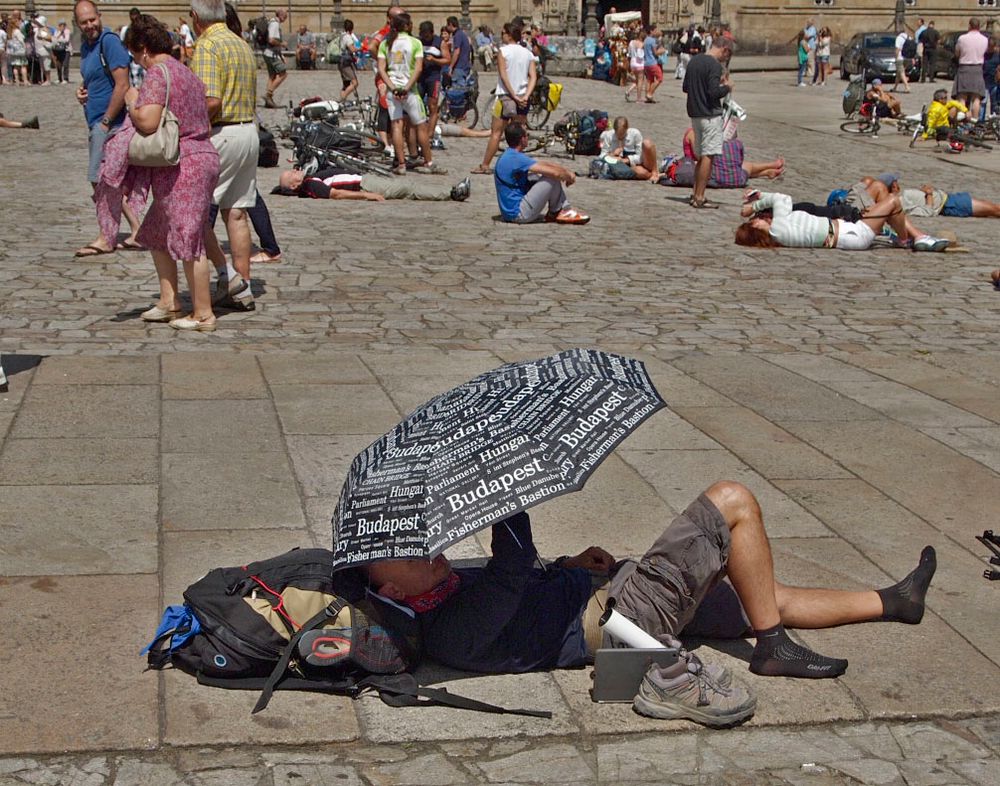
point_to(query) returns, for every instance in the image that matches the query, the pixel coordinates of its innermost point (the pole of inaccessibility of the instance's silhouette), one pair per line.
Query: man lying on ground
(625, 145)
(530, 190)
(773, 224)
(930, 201)
(334, 182)
(709, 574)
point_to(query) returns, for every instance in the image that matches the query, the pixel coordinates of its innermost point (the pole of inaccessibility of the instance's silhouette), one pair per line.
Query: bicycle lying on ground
(319, 143)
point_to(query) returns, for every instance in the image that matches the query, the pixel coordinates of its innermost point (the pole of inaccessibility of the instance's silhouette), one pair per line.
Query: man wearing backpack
(274, 57)
(104, 68)
(906, 50)
(709, 574)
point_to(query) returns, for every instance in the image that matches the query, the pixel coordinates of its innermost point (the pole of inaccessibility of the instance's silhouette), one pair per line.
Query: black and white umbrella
(485, 450)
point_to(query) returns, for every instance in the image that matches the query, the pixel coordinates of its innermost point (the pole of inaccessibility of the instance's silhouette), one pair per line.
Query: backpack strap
(104, 60)
(403, 690)
(330, 612)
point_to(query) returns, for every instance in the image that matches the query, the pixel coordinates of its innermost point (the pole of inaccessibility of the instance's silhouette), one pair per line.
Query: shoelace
(704, 680)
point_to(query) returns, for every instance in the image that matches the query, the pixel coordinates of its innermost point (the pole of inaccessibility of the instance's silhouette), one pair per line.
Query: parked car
(875, 54)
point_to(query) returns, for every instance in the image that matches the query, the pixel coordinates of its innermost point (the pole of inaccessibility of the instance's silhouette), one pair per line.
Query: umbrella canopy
(496, 445)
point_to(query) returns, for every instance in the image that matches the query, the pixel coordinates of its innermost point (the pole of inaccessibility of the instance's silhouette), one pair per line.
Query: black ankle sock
(776, 655)
(904, 601)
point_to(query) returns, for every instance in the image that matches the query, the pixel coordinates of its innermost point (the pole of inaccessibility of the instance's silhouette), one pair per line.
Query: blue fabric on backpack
(837, 197)
(180, 623)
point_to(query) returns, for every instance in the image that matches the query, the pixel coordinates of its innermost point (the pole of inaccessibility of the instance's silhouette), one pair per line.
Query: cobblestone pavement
(856, 393)
(648, 272)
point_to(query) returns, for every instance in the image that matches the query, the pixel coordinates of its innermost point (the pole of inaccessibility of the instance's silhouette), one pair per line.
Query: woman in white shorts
(637, 69)
(773, 224)
(400, 61)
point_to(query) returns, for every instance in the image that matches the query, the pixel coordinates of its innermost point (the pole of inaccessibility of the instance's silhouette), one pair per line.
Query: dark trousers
(842, 211)
(261, 220)
(927, 66)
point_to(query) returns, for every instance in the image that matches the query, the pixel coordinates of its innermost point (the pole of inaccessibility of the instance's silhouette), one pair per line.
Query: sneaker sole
(679, 711)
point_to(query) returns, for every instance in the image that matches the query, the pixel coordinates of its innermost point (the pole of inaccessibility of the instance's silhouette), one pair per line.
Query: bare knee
(734, 500)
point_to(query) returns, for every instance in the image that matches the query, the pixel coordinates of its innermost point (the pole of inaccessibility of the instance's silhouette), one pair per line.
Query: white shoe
(928, 243)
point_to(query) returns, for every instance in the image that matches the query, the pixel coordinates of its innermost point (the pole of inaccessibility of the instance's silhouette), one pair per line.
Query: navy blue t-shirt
(511, 178)
(99, 85)
(460, 41)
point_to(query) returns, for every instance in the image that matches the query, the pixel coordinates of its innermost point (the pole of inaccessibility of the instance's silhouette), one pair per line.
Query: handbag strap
(166, 100)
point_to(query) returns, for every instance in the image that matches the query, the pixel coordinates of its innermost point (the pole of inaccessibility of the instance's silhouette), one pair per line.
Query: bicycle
(366, 110)
(351, 147)
(315, 158)
(459, 103)
(567, 134)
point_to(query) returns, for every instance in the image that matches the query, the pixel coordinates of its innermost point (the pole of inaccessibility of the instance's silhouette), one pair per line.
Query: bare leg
(398, 143)
(982, 208)
(497, 127)
(769, 169)
(238, 229)
(647, 168)
(196, 272)
(889, 211)
(214, 251)
(702, 172)
(133, 222)
(424, 138)
(166, 272)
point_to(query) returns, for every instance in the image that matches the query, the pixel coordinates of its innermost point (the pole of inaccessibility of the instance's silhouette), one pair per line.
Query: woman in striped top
(798, 229)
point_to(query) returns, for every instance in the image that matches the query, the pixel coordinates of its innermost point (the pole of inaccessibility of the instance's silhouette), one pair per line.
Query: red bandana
(433, 597)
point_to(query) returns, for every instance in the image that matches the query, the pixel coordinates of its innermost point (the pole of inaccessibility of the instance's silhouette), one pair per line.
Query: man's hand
(595, 559)
(81, 94)
(747, 210)
(374, 197)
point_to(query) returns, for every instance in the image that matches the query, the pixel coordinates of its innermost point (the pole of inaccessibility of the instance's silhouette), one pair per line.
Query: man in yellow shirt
(227, 66)
(942, 114)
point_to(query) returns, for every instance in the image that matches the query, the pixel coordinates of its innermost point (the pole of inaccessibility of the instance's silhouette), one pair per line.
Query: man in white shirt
(901, 62)
(625, 145)
(274, 57)
(516, 77)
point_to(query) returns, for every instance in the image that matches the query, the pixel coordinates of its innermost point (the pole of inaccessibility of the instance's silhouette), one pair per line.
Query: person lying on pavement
(709, 574)
(336, 182)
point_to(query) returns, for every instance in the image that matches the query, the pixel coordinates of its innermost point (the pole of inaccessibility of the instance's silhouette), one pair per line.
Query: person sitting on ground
(930, 201)
(335, 182)
(529, 190)
(622, 143)
(886, 104)
(30, 123)
(784, 227)
(943, 114)
(709, 574)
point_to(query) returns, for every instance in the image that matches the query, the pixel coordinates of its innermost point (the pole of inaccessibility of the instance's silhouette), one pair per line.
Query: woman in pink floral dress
(174, 227)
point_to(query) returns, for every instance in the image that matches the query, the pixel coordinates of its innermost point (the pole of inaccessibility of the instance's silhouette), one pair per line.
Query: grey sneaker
(928, 243)
(688, 690)
(461, 191)
(226, 289)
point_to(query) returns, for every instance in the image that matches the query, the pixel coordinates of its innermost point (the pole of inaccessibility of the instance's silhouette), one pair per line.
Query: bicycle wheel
(860, 126)
(537, 143)
(538, 115)
(470, 117)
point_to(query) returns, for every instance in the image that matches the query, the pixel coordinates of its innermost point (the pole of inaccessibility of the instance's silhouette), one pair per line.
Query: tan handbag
(163, 146)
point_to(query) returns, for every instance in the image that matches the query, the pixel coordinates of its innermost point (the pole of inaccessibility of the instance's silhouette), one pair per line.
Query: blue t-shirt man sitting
(528, 189)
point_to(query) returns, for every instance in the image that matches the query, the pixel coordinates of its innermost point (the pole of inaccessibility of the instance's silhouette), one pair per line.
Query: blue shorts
(98, 136)
(958, 205)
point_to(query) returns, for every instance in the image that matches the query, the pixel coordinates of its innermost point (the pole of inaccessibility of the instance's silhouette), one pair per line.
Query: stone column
(573, 18)
(337, 20)
(465, 21)
(591, 24)
(899, 18)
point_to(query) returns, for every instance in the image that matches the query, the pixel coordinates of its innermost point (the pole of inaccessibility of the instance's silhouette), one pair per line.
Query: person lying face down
(337, 182)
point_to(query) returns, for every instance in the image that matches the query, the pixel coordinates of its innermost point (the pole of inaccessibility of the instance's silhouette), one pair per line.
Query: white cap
(40, 19)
